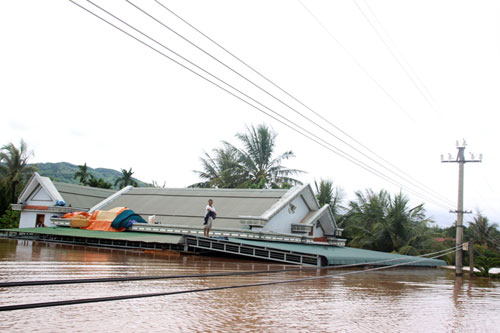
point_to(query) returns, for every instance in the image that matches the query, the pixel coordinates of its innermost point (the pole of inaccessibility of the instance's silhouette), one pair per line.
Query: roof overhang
(46, 209)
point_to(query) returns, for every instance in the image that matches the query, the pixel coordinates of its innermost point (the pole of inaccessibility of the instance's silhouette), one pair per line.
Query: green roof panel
(126, 235)
(347, 255)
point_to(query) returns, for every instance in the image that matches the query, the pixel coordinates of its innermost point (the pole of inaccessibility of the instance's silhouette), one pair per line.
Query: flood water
(399, 300)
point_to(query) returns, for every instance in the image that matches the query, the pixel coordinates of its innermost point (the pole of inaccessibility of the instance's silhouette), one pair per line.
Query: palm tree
(14, 168)
(125, 179)
(482, 232)
(362, 223)
(82, 173)
(221, 171)
(378, 222)
(257, 162)
(327, 194)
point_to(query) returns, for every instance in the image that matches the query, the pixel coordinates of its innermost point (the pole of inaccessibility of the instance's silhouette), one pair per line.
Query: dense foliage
(254, 165)
(382, 222)
(14, 172)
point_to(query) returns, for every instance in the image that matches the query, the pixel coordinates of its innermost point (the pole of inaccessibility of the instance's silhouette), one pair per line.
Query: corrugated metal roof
(347, 255)
(187, 206)
(127, 235)
(211, 192)
(79, 196)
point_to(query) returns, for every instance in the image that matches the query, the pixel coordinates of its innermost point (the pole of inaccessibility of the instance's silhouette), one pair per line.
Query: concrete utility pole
(460, 207)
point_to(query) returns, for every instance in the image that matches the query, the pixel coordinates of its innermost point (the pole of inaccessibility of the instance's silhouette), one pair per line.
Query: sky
(405, 79)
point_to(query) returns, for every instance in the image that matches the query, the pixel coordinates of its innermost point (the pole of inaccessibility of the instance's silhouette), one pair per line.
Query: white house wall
(28, 219)
(39, 197)
(317, 231)
(282, 222)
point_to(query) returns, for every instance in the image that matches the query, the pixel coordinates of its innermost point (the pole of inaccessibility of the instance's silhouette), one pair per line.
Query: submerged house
(281, 225)
(42, 199)
(292, 214)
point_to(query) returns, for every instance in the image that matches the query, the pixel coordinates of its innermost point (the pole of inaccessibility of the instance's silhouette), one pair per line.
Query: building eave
(46, 209)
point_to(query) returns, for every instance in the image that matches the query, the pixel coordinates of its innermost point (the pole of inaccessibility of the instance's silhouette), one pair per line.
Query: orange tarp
(77, 219)
(70, 215)
(102, 219)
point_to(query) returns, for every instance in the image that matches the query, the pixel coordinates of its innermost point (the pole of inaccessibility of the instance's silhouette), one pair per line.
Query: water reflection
(413, 300)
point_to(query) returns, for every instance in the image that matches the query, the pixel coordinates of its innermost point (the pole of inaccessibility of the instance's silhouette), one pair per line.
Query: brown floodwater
(398, 300)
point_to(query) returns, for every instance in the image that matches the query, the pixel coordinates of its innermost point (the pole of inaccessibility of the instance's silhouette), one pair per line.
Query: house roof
(82, 196)
(307, 195)
(36, 181)
(126, 236)
(77, 196)
(187, 206)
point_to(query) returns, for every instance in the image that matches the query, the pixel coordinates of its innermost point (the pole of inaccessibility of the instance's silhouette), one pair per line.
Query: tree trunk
(13, 192)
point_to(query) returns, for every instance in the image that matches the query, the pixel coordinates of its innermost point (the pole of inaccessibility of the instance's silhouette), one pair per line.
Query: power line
(331, 148)
(124, 297)
(207, 275)
(273, 96)
(335, 149)
(368, 74)
(401, 54)
(436, 195)
(327, 146)
(378, 84)
(136, 278)
(394, 55)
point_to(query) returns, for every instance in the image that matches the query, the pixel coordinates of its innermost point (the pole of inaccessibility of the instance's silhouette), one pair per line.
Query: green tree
(253, 166)
(82, 174)
(326, 193)
(482, 232)
(10, 219)
(14, 168)
(101, 183)
(378, 222)
(125, 179)
(484, 264)
(223, 170)
(258, 163)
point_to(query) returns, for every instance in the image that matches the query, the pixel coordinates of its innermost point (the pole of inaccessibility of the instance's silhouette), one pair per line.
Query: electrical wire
(415, 182)
(124, 297)
(208, 275)
(331, 148)
(378, 84)
(400, 53)
(394, 55)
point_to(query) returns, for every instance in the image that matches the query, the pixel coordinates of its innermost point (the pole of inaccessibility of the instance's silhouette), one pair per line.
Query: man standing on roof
(209, 216)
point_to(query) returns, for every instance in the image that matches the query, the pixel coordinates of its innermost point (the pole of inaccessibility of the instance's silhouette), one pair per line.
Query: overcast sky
(404, 78)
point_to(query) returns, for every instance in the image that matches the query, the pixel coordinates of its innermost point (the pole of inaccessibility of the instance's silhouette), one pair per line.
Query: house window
(40, 220)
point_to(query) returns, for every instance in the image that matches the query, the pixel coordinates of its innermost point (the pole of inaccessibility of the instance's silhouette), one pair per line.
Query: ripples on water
(394, 300)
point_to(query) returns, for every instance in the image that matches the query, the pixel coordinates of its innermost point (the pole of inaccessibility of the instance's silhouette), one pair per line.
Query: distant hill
(64, 172)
